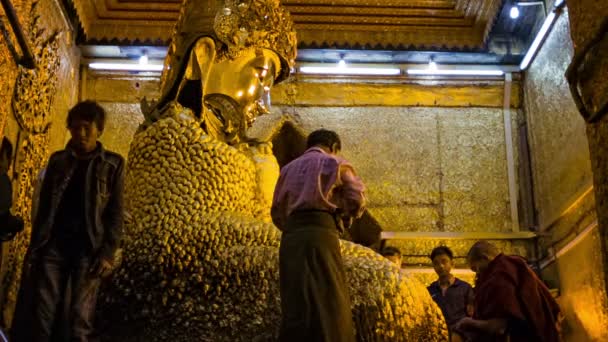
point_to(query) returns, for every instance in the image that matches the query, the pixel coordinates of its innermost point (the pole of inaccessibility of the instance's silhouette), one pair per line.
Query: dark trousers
(315, 303)
(52, 274)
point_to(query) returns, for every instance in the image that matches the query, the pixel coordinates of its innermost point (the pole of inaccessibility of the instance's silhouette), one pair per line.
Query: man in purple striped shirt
(316, 197)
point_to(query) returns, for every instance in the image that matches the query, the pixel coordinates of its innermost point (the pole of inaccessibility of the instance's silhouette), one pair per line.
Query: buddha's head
(224, 58)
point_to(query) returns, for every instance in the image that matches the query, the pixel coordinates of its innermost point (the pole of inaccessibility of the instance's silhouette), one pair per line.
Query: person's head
(443, 260)
(86, 121)
(480, 256)
(6, 155)
(326, 139)
(393, 254)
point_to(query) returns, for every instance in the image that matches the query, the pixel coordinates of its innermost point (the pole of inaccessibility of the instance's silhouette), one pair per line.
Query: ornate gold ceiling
(382, 24)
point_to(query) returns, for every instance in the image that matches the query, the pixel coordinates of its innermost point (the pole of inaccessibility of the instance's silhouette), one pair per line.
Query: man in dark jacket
(77, 228)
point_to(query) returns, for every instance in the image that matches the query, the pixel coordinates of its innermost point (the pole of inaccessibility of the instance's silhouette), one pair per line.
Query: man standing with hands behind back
(76, 231)
(317, 195)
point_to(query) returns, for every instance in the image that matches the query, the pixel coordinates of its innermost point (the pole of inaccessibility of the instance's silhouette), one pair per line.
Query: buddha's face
(237, 90)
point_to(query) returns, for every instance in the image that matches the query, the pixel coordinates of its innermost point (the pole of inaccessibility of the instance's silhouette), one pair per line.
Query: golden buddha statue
(200, 259)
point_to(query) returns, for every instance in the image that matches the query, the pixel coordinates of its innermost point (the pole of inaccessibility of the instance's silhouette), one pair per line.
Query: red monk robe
(508, 289)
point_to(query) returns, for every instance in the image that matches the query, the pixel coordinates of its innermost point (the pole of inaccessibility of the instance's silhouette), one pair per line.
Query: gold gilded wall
(558, 142)
(426, 168)
(581, 283)
(563, 189)
(34, 115)
(120, 96)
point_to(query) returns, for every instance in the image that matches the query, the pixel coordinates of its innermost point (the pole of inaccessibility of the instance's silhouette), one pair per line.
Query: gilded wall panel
(427, 169)
(563, 188)
(344, 93)
(120, 88)
(474, 171)
(120, 95)
(123, 119)
(583, 298)
(394, 150)
(558, 142)
(406, 217)
(417, 252)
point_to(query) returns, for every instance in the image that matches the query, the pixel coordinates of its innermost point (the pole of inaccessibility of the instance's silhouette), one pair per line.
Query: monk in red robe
(511, 302)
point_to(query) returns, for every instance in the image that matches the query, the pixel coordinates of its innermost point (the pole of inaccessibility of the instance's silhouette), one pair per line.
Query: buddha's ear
(200, 60)
(191, 89)
(203, 57)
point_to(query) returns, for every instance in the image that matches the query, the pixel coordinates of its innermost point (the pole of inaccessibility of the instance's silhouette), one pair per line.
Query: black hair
(323, 137)
(7, 148)
(89, 111)
(442, 250)
(390, 251)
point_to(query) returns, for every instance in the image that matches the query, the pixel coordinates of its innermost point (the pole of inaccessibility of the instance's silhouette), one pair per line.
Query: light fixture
(537, 41)
(144, 58)
(323, 70)
(455, 72)
(514, 12)
(530, 3)
(341, 62)
(432, 64)
(126, 66)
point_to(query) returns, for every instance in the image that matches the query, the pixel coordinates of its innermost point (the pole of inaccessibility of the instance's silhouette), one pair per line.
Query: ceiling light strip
(320, 70)
(454, 72)
(537, 41)
(126, 67)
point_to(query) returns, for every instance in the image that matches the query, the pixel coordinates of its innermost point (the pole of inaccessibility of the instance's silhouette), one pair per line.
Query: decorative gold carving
(32, 99)
(36, 87)
(461, 24)
(241, 24)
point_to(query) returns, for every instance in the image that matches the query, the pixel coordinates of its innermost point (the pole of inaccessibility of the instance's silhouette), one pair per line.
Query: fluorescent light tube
(459, 72)
(514, 12)
(349, 70)
(126, 66)
(536, 43)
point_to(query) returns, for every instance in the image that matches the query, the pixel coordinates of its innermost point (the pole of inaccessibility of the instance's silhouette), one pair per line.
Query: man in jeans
(317, 195)
(77, 229)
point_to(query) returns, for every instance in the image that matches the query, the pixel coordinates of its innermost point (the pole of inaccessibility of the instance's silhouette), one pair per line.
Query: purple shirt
(317, 181)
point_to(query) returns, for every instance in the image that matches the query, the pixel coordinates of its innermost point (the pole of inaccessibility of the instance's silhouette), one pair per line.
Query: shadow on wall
(288, 144)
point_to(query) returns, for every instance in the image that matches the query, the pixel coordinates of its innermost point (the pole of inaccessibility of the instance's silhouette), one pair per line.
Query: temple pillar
(587, 75)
